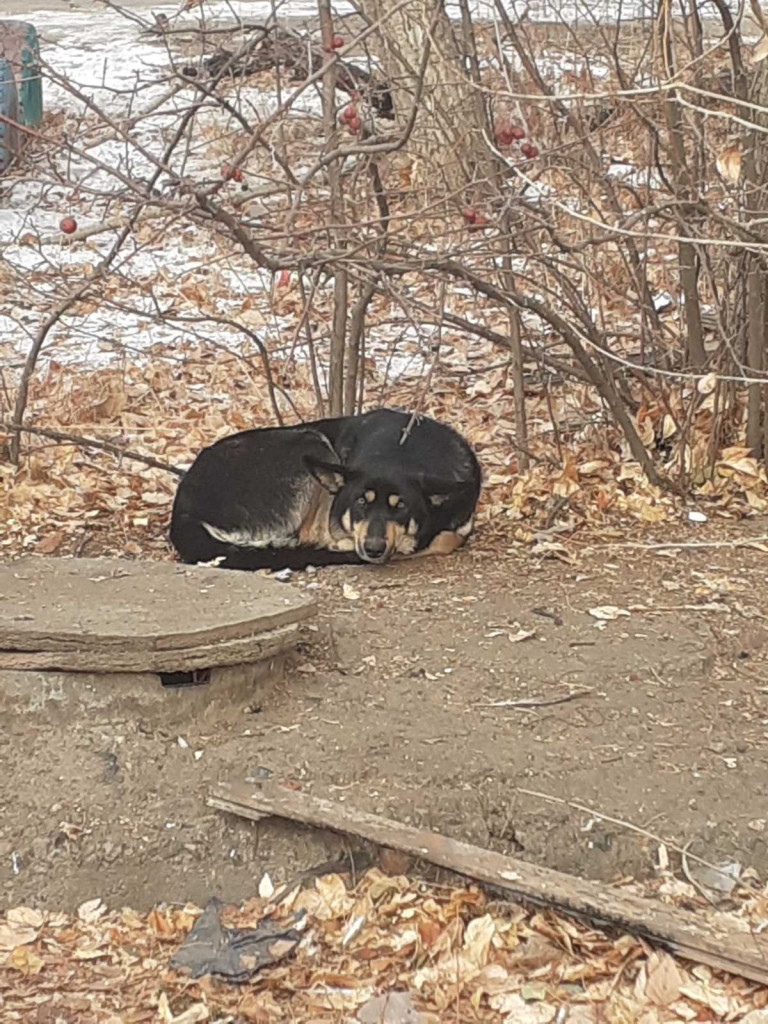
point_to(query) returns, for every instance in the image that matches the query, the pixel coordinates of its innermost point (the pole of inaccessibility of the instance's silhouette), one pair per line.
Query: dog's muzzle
(374, 550)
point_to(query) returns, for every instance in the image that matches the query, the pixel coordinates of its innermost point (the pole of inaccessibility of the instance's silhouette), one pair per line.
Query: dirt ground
(389, 706)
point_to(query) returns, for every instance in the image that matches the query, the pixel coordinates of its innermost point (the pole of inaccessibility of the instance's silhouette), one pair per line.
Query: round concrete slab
(102, 614)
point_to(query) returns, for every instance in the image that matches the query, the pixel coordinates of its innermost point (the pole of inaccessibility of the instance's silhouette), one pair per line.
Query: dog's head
(383, 515)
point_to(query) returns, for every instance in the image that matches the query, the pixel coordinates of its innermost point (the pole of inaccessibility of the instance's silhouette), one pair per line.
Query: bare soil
(389, 705)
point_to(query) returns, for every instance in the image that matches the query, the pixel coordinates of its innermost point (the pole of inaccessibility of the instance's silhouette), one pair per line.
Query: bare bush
(559, 225)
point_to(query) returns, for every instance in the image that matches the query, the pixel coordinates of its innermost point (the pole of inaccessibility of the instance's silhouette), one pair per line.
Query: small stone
(40, 848)
(394, 862)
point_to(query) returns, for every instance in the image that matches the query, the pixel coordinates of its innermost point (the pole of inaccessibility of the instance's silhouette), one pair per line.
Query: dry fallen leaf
(668, 427)
(520, 635)
(160, 924)
(729, 163)
(705, 994)
(333, 896)
(25, 917)
(390, 1008)
(519, 1012)
(707, 384)
(91, 910)
(194, 1014)
(50, 543)
(11, 937)
(663, 979)
(25, 960)
(266, 888)
(477, 939)
(608, 613)
(760, 50)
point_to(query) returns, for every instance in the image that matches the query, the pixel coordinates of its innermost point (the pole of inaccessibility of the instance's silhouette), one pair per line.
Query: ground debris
(421, 951)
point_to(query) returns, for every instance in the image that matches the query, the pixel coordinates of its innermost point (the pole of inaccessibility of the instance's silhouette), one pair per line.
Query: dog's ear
(331, 475)
(438, 491)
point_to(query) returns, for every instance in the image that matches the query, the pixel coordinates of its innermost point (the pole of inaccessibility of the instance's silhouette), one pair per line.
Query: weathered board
(111, 615)
(719, 943)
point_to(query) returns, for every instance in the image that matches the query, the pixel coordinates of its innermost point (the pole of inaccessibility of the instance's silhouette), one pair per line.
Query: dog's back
(418, 446)
(246, 498)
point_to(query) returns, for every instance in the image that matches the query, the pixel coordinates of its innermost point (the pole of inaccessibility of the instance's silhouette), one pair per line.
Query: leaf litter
(405, 949)
(66, 498)
(165, 389)
(451, 951)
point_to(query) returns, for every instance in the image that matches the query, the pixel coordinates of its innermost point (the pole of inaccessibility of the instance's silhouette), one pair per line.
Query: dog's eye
(361, 500)
(400, 504)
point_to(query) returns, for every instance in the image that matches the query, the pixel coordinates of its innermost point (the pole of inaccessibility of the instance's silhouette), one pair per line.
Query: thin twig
(418, 405)
(91, 442)
(619, 822)
(534, 702)
(742, 542)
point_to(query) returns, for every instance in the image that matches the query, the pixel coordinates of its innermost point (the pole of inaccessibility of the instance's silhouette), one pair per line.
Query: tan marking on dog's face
(370, 497)
(346, 521)
(393, 500)
(393, 534)
(359, 533)
(413, 528)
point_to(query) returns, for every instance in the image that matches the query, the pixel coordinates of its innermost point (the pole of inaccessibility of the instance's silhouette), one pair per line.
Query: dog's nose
(375, 547)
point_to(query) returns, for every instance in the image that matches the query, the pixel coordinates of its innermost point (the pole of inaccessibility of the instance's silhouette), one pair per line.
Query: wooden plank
(690, 936)
(230, 652)
(97, 604)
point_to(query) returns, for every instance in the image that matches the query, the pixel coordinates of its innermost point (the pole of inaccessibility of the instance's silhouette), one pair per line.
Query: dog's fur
(334, 491)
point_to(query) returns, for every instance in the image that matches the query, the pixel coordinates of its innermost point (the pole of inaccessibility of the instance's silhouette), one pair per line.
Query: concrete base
(59, 697)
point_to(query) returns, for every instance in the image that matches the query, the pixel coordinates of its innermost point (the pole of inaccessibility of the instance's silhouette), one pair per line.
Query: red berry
(348, 113)
(478, 224)
(354, 125)
(517, 132)
(503, 134)
(68, 225)
(529, 151)
(469, 215)
(283, 279)
(231, 173)
(337, 42)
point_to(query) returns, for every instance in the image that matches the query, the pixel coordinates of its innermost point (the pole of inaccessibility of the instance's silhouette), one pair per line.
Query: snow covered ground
(124, 71)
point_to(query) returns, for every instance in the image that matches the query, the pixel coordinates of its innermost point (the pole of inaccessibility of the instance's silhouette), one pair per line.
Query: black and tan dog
(347, 490)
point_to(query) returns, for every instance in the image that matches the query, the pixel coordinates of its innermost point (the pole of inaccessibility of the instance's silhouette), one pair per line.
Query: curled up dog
(348, 490)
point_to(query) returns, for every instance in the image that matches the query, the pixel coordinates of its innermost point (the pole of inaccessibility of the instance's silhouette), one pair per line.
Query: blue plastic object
(20, 46)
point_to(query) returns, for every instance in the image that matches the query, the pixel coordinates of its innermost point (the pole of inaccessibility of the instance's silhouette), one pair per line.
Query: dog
(349, 490)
